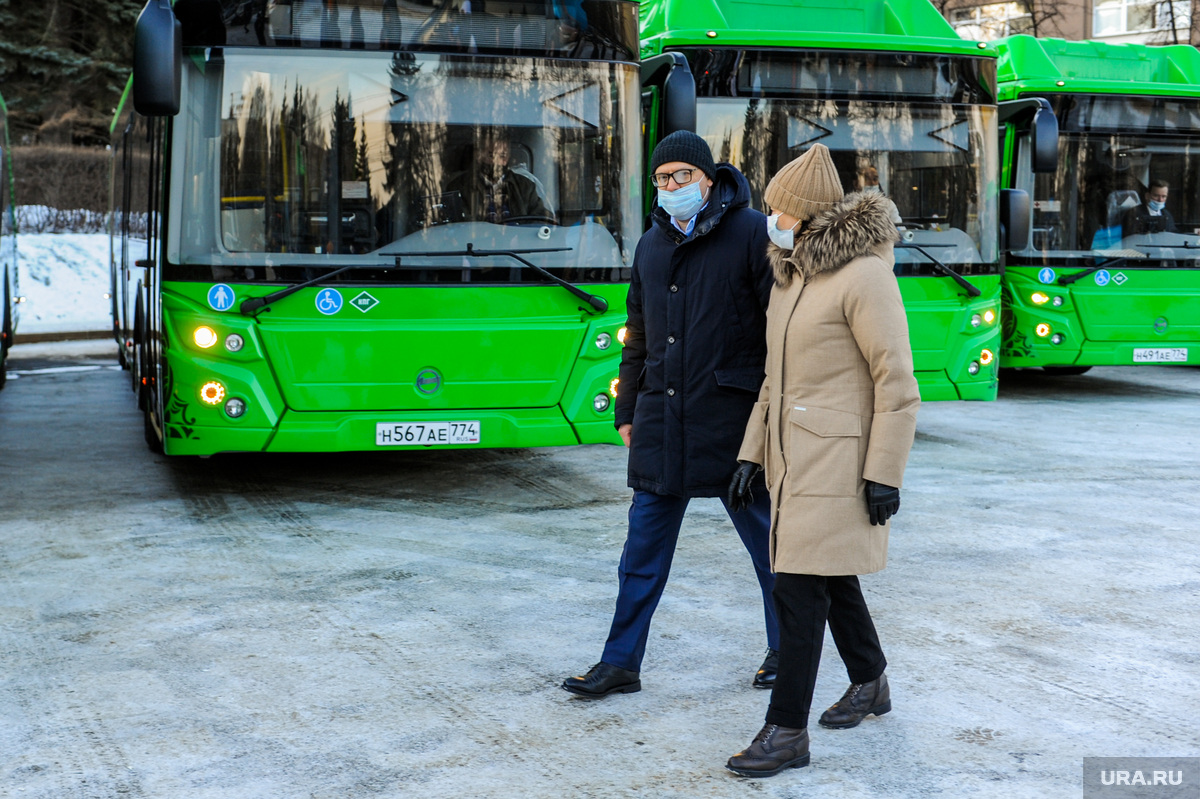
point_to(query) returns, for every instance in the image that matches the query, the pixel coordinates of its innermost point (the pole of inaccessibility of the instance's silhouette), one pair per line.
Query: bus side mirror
(670, 72)
(157, 60)
(1015, 215)
(1043, 135)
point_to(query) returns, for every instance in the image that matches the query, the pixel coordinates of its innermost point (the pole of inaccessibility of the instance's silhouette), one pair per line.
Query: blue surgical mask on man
(683, 203)
(1156, 206)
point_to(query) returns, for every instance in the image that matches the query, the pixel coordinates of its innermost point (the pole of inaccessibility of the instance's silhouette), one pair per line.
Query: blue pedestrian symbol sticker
(1102, 277)
(1047, 275)
(329, 301)
(221, 297)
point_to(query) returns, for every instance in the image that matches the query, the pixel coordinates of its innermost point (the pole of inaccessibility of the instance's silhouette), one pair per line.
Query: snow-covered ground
(64, 279)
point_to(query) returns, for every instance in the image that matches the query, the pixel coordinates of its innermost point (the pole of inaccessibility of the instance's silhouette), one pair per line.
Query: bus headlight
(621, 335)
(989, 316)
(612, 386)
(973, 368)
(212, 392)
(603, 341)
(1057, 338)
(234, 342)
(986, 357)
(1042, 329)
(601, 402)
(204, 336)
(976, 320)
(1039, 298)
(234, 407)
(1058, 301)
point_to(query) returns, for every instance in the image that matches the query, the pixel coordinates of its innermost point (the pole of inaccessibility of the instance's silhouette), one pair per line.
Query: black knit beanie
(685, 146)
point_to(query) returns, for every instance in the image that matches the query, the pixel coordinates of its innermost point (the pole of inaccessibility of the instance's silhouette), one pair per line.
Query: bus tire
(136, 366)
(1066, 371)
(7, 337)
(153, 439)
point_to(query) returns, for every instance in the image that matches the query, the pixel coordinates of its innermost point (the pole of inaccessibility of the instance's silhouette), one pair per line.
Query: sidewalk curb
(82, 335)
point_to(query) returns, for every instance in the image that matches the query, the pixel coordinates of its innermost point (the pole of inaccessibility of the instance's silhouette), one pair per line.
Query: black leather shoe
(859, 701)
(765, 677)
(603, 679)
(774, 749)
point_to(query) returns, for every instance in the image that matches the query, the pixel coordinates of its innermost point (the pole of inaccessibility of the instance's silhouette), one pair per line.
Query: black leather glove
(740, 495)
(882, 502)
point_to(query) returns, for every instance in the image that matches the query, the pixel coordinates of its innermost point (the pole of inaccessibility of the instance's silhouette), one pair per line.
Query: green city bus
(9, 311)
(1100, 280)
(374, 225)
(903, 103)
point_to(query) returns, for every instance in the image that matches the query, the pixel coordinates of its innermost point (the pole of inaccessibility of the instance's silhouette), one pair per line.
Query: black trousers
(803, 603)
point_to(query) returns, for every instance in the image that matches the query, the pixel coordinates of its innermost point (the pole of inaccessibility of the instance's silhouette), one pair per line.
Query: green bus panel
(953, 336)
(522, 361)
(1101, 323)
(896, 25)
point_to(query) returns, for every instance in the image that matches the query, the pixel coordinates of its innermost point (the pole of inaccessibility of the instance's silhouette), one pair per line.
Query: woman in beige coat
(832, 429)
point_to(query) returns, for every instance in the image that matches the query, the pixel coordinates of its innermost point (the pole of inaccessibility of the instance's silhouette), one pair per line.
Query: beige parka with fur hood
(839, 405)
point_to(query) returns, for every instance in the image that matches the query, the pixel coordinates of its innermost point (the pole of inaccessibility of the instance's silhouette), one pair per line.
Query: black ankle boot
(859, 701)
(774, 749)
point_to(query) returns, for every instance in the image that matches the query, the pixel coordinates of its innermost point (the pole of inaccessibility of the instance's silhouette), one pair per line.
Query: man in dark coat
(693, 362)
(1150, 215)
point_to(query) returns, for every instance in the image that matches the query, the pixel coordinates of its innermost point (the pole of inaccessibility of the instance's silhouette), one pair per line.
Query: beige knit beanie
(805, 186)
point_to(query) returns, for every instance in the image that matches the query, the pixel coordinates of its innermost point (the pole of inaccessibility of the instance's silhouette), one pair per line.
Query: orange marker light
(212, 392)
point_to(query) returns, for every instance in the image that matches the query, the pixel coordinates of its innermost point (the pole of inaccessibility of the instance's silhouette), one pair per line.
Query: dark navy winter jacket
(695, 346)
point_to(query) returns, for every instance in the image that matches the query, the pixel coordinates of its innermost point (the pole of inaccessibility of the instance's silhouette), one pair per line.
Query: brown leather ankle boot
(859, 701)
(774, 749)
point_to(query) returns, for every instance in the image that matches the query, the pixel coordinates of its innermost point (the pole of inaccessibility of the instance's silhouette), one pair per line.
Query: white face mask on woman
(781, 238)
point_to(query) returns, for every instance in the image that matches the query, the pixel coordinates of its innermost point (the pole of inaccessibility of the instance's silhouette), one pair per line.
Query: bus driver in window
(1150, 215)
(493, 191)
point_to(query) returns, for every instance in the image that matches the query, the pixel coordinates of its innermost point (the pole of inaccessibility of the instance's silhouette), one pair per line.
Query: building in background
(1114, 21)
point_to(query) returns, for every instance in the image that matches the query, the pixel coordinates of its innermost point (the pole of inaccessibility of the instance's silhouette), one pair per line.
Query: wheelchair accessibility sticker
(1047, 275)
(1102, 277)
(329, 301)
(221, 297)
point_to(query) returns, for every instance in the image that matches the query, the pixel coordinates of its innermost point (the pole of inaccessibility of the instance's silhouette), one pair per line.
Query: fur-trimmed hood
(856, 226)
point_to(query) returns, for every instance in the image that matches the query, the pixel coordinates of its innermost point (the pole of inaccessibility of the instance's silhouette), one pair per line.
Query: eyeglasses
(682, 177)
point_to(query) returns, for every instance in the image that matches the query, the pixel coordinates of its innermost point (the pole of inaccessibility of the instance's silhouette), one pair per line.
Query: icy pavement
(397, 624)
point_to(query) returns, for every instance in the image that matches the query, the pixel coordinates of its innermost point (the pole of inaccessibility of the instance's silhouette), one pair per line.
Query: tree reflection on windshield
(343, 155)
(930, 159)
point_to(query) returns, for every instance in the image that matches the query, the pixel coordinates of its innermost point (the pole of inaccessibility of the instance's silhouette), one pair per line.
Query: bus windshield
(932, 160)
(333, 159)
(1098, 202)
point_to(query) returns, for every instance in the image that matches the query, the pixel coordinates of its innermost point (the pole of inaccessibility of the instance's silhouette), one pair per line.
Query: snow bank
(63, 278)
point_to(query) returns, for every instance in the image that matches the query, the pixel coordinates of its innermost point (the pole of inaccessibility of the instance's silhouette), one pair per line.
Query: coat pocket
(824, 457)
(745, 379)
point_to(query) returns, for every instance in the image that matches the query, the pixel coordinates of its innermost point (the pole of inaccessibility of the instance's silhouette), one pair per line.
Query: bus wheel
(153, 439)
(6, 329)
(1066, 371)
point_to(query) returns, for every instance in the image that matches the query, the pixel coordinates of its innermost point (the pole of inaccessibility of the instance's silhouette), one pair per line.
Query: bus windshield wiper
(1067, 280)
(253, 304)
(969, 287)
(599, 303)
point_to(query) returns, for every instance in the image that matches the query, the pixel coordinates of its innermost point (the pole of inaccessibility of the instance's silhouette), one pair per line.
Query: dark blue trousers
(654, 522)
